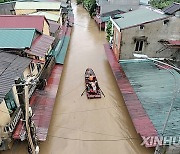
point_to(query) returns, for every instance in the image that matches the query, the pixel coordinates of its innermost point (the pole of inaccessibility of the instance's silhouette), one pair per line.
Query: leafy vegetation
(162, 3)
(90, 5)
(109, 32)
(3, 1)
(79, 1)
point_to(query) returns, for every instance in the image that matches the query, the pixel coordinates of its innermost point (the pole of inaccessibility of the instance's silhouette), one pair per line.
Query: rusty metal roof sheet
(22, 21)
(12, 66)
(174, 42)
(41, 45)
(53, 26)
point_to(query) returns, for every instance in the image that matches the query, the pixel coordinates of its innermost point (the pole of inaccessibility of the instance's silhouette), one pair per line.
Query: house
(54, 29)
(48, 16)
(32, 44)
(25, 21)
(12, 69)
(150, 91)
(7, 8)
(32, 7)
(143, 31)
(113, 8)
(103, 19)
(24, 56)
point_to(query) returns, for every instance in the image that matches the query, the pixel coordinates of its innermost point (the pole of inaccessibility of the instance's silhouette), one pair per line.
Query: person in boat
(93, 84)
(91, 78)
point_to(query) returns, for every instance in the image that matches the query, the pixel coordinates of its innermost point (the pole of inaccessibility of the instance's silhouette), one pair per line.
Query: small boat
(91, 84)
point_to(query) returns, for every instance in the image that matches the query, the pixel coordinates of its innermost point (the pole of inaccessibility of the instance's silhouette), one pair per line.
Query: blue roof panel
(16, 38)
(156, 89)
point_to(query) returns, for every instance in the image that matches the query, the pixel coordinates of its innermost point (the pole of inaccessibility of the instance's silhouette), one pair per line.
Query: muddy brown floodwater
(79, 125)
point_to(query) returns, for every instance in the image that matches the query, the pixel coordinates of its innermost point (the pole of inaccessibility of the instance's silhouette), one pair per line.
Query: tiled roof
(12, 66)
(22, 21)
(16, 38)
(172, 8)
(7, 8)
(37, 5)
(157, 89)
(41, 45)
(137, 17)
(49, 16)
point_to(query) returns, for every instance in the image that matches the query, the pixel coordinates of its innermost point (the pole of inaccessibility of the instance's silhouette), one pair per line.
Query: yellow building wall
(54, 12)
(19, 12)
(46, 28)
(4, 114)
(26, 72)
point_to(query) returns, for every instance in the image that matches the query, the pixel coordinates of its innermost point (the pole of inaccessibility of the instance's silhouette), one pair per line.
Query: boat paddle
(102, 92)
(83, 91)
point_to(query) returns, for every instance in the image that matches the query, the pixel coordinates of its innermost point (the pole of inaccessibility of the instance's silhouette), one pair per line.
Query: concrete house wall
(116, 43)
(4, 113)
(153, 31)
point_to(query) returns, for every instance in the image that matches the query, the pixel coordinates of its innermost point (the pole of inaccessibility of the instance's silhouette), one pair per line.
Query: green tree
(160, 4)
(109, 31)
(90, 5)
(79, 2)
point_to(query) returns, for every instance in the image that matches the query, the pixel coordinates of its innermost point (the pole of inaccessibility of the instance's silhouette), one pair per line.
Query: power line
(121, 139)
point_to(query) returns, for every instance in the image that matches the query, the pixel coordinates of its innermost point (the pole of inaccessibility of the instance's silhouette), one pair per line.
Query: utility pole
(33, 148)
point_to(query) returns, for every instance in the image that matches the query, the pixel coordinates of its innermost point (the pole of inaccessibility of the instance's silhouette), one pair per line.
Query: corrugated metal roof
(111, 7)
(37, 5)
(107, 18)
(7, 8)
(22, 21)
(53, 26)
(49, 16)
(16, 38)
(114, 12)
(137, 17)
(41, 45)
(12, 66)
(156, 89)
(172, 8)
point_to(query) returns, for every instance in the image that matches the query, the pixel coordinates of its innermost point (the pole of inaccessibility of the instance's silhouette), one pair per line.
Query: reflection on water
(81, 126)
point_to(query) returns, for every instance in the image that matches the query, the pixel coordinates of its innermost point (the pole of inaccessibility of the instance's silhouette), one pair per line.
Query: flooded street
(79, 125)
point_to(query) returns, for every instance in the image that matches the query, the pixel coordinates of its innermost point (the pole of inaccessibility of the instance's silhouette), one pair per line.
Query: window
(166, 22)
(141, 27)
(38, 67)
(37, 57)
(139, 45)
(10, 103)
(32, 67)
